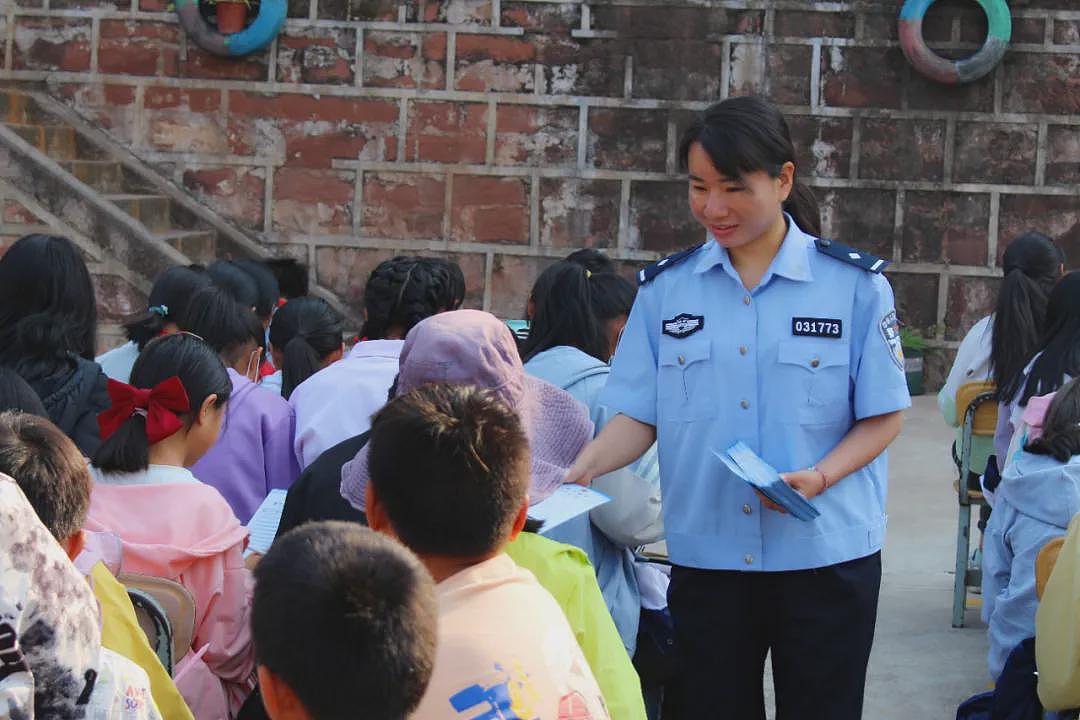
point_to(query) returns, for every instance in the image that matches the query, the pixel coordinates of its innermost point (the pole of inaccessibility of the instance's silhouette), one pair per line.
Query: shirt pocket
(822, 379)
(687, 386)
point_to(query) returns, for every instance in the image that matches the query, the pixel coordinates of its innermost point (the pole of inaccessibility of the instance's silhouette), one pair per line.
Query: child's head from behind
(305, 336)
(449, 471)
(180, 357)
(168, 303)
(230, 328)
(1060, 436)
(402, 291)
(51, 472)
(344, 625)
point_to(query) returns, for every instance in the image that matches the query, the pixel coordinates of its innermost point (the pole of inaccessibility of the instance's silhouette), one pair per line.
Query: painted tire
(260, 33)
(952, 72)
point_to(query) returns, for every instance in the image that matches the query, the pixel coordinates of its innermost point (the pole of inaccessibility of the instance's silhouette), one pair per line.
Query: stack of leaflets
(565, 504)
(742, 461)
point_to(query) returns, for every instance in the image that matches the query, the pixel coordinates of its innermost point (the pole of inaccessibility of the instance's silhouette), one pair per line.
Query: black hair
(226, 325)
(749, 134)
(292, 277)
(1032, 265)
(200, 370)
(49, 468)
(235, 281)
(401, 292)
(1061, 427)
(48, 309)
(452, 284)
(266, 286)
(16, 394)
(563, 313)
(169, 299)
(347, 619)
(450, 465)
(592, 259)
(306, 330)
(1059, 347)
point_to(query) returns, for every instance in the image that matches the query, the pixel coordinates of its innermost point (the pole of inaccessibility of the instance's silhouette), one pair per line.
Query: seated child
(169, 524)
(344, 622)
(449, 477)
(1038, 496)
(254, 454)
(52, 665)
(53, 475)
(1057, 628)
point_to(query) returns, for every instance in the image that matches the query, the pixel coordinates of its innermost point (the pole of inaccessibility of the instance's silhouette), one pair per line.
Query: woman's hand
(621, 442)
(808, 483)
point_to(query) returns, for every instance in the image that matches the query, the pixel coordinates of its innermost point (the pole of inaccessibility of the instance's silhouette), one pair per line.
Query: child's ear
(376, 513)
(74, 544)
(519, 521)
(207, 407)
(278, 698)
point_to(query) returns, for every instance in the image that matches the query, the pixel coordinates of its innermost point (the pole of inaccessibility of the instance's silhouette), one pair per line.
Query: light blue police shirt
(787, 368)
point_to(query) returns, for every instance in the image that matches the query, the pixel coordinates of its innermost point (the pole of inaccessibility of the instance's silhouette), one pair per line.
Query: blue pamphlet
(565, 504)
(742, 461)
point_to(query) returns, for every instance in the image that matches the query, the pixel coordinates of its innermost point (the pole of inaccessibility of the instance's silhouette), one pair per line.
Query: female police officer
(766, 335)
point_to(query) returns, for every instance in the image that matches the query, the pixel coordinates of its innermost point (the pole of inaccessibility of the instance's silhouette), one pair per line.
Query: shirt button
(749, 559)
(747, 509)
(743, 349)
(682, 360)
(746, 300)
(814, 363)
(744, 404)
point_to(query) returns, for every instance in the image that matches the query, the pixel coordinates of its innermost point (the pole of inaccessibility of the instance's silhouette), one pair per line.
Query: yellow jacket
(566, 573)
(1057, 628)
(120, 632)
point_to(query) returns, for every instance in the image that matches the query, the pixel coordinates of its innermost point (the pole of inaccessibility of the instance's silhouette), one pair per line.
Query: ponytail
(307, 331)
(169, 300)
(802, 206)
(301, 362)
(563, 313)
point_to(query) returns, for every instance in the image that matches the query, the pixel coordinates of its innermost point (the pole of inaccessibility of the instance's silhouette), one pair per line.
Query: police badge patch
(890, 333)
(683, 325)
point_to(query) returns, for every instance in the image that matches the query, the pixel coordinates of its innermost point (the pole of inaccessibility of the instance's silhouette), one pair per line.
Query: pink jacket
(186, 532)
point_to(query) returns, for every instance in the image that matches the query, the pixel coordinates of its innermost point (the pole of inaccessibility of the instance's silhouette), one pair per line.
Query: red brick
(862, 77)
(311, 108)
(1063, 155)
(558, 18)
(51, 44)
(316, 55)
(626, 139)
(927, 94)
(1058, 216)
(1067, 32)
(902, 150)
(494, 63)
(345, 270)
(117, 299)
(916, 300)
(1029, 30)
(579, 213)
(696, 64)
(969, 299)
(363, 10)
(512, 278)
(798, 23)
(1042, 82)
(945, 227)
(312, 201)
(789, 74)
(591, 67)
(658, 21)
(995, 152)
(859, 217)
(184, 131)
(457, 12)
(529, 135)
(112, 107)
(159, 98)
(880, 26)
(16, 214)
(410, 60)
(100, 5)
(490, 209)
(822, 145)
(139, 48)
(447, 132)
(403, 205)
(201, 64)
(236, 192)
(660, 217)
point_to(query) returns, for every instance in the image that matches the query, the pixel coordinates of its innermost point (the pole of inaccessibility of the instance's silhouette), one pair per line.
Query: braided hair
(402, 291)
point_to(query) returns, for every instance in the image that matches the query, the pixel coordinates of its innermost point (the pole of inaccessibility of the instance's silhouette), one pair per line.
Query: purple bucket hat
(469, 347)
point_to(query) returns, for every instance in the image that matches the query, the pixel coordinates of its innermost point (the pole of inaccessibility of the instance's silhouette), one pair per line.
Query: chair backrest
(177, 602)
(154, 622)
(974, 394)
(1044, 564)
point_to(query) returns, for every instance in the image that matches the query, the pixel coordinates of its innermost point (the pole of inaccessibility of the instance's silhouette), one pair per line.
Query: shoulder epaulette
(850, 255)
(647, 273)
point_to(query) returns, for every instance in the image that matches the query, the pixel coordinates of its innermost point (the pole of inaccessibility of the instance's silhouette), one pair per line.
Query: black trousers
(818, 625)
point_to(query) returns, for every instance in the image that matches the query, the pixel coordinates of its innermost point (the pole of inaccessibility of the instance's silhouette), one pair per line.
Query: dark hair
(1061, 427)
(266, 286)
(748, 134)
(49, 468)
(234, 280)
(202, 374)
(306, 330)
(226, 326)
(563, 313)
(292, 277)
(347, 619)
(169, 299)
(47, 305)
(401, 292)
(452, 283)
(450, 465)
(1032, 265)
(1059, 347)
(592, 260)
(16, 394)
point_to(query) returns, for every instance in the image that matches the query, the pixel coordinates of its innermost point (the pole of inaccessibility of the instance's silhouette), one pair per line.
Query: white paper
(565, 504)
(264, 523)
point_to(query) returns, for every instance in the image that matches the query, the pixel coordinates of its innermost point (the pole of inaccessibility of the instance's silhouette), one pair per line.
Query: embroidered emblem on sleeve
(890, 333)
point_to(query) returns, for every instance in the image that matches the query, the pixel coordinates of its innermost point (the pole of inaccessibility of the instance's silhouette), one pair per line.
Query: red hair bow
(159, 404)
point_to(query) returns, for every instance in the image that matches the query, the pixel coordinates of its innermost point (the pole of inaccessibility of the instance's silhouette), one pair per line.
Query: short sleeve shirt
(787, 368)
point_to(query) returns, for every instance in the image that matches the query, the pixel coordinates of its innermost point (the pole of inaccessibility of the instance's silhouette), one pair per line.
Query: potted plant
(231, 15)
(914, 346)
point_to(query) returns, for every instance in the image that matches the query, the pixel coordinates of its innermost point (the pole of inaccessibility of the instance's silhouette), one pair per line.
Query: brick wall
(503, 132)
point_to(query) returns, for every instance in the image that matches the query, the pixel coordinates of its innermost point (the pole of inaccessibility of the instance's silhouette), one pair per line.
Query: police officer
(765, 335)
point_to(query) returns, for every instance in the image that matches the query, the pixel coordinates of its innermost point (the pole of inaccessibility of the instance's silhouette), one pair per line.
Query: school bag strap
(851, 256)
(649, 272)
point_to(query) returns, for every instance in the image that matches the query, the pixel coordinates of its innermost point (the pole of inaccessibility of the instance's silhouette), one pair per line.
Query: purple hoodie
(254, 453)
